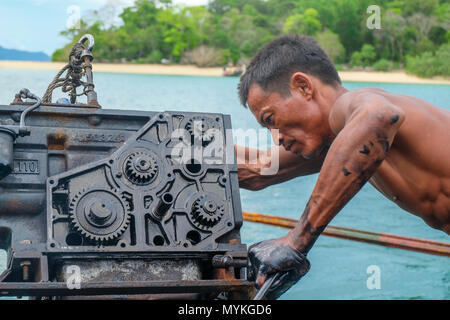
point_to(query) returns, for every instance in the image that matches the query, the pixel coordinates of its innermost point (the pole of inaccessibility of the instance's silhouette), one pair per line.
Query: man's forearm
(289, 166)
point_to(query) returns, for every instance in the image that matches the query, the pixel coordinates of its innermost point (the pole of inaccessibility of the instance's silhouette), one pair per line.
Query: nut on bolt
(224, 261)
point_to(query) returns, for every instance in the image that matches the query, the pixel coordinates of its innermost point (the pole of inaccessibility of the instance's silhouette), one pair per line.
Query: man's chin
(307, 155)
(300, 154)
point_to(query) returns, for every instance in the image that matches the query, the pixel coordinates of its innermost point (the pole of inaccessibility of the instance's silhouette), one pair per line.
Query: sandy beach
(190, 70)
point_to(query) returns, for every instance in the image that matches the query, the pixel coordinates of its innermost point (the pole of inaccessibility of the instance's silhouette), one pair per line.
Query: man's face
(302, 127)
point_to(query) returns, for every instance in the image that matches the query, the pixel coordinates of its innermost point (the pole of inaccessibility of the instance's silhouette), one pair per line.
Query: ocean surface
(338, 267)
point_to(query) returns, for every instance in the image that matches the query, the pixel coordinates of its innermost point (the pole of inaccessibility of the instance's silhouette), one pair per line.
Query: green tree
(391, 35)
(425, 7)
(332, 45)
(429, 64)
(382, 65)
(368, 54)
(307, 23)
(422, 24)
(365, 57)
(140, 33)
(356, 59)
(348, 23)
(443, 15)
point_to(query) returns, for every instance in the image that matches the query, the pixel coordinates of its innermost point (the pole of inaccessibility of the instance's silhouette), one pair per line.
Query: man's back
(416, 171)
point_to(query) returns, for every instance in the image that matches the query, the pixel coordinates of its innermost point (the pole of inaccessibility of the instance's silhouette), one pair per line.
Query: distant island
(13, 54)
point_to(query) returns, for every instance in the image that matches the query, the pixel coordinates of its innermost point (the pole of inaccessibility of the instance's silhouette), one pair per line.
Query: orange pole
(383, 239)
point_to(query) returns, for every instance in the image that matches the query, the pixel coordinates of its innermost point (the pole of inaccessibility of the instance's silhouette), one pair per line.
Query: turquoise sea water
(338, 266)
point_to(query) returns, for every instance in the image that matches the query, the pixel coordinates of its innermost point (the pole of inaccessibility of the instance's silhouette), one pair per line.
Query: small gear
(99, 215)
(140, 168)
(207, 211)
(201, 128)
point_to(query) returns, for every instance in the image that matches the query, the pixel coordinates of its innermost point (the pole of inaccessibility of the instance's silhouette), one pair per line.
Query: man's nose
(277, 137)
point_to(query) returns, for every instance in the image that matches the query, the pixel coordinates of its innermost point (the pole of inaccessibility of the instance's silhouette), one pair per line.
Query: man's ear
(302, 83)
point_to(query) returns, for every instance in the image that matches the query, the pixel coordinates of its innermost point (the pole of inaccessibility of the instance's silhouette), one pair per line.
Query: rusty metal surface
(130, 270)
(122, 288)
(382, 239)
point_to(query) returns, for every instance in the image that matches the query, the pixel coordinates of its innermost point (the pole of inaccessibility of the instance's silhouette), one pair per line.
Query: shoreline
(190, 70)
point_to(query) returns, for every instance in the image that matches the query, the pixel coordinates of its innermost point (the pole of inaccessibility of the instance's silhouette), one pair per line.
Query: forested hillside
(414, 34)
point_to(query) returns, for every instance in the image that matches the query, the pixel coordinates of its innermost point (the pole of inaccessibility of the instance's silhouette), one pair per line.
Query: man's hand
(275, 256)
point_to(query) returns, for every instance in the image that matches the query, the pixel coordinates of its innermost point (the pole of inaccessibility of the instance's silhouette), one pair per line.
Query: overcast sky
(34, 25)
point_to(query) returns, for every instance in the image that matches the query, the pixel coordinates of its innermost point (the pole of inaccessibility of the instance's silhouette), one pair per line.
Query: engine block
(108, 186)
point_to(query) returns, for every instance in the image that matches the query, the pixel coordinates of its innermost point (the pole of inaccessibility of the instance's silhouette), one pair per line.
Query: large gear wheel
(207, 211)
(200, 128)
(140, 168)
(99, 215)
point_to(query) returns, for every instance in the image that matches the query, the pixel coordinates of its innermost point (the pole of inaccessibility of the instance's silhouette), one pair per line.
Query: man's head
(283, 87)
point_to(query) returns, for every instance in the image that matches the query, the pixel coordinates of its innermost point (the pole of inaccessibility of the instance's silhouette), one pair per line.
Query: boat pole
(383, 239)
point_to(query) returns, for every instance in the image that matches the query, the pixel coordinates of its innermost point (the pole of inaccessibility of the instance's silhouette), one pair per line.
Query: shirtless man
(400, 144)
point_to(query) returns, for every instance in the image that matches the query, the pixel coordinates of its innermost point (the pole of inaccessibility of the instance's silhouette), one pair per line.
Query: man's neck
(327, 97)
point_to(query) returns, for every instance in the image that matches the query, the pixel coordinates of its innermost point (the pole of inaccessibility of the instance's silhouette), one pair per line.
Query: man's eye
(269, 120)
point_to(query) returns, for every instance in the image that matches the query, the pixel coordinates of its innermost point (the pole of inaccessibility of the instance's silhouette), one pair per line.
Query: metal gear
(99, 215)
(140, 168)
(207, 211)
(200, 128)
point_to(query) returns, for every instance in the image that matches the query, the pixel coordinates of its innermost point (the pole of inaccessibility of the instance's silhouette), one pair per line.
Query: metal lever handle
(262, 292)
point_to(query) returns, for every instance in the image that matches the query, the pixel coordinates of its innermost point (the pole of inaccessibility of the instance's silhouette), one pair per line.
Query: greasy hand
(276, 256)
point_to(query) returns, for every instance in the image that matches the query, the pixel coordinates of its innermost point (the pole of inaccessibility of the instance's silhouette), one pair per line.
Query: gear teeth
(136, 175)
(204, 133)
(103, 239)
(203, 219)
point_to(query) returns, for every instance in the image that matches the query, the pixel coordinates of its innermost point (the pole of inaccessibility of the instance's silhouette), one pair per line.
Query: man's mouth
(295, 151)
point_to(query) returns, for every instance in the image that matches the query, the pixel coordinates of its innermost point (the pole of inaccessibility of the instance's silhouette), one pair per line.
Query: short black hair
(274, 64)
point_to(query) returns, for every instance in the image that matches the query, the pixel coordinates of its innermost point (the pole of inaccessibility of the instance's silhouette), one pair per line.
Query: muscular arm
(290, 166)
(365, 130)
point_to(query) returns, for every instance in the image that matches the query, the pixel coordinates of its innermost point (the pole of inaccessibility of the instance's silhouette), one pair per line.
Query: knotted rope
(75, 70)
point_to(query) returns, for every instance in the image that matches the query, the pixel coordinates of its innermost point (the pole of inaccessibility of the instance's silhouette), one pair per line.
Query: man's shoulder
(362, 99)
(343, 105)
(357, 97)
